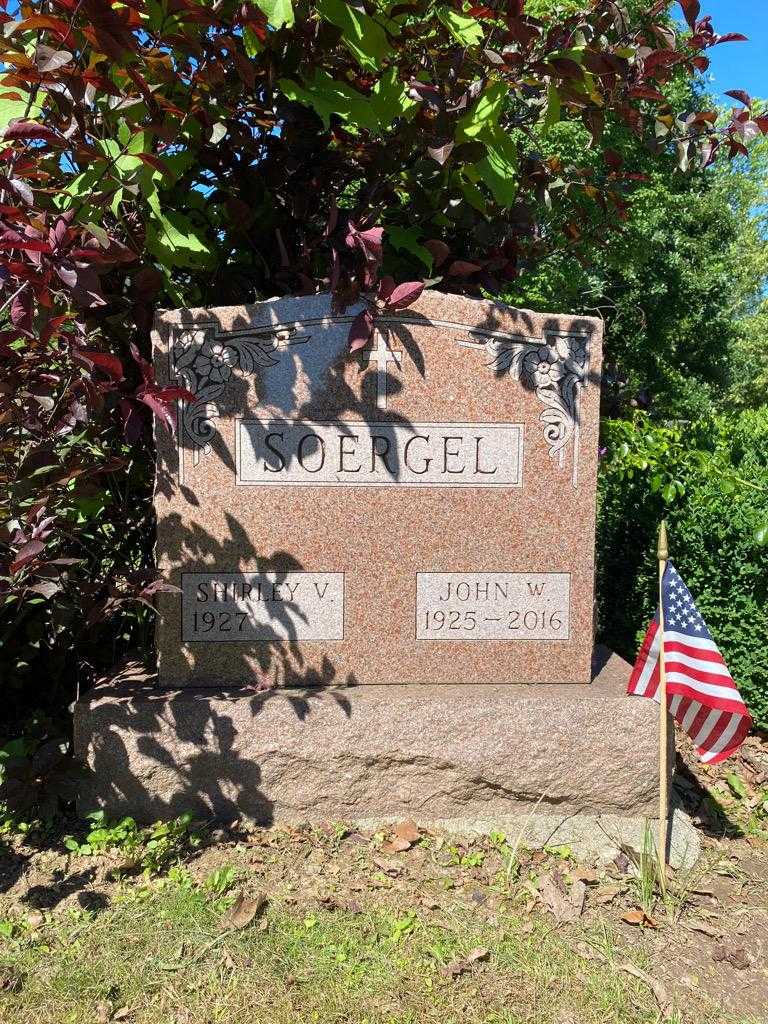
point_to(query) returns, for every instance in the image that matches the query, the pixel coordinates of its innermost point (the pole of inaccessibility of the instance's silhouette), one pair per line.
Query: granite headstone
(422, 512)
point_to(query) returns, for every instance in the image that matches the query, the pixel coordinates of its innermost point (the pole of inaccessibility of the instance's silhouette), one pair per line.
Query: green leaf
(365, 39)
(407, 240)
(278, 12)
(389, 99)
(471, 192)
(483, 118)
(737, 785)
(463, 29)
(172, 238)
(326, 96)
(761, 535)
(499, 169)
(12, 110)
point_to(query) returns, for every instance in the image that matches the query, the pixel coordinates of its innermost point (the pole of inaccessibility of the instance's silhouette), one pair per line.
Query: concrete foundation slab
(460, 756)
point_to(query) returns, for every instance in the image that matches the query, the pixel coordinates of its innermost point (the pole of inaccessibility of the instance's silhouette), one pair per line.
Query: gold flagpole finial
(663, 548)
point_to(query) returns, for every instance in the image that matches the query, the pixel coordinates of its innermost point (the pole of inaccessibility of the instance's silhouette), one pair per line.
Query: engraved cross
(382, 354)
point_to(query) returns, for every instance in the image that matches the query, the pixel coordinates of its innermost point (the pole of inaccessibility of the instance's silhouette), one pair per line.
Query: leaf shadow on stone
(188, 741)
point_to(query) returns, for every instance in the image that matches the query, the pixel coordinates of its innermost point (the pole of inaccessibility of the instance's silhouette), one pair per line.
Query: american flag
(701, 694)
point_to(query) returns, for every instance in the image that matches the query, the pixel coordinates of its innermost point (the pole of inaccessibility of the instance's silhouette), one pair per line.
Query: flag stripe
(642, 678)
(706, 668)
(699, 642)
(690, 715)
(703, 689)
(707, 727)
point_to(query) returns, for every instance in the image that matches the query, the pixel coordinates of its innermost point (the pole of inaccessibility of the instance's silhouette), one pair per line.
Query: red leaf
(49, 60)
(613, 159)
(741, 96)
(405, 294)
(106, 362)
(161, 409)
(26, 554)
(441, 153)
(386, 287)
(646, 92)
(360, 330)
(691, 10)
(173, 392)
(154, 161)
(372, 240)
(147, 373)
(439, 250)
(732, 37)
(44, 21)
(567, 68)
(30, 130)
(21, 310)
(22, 190)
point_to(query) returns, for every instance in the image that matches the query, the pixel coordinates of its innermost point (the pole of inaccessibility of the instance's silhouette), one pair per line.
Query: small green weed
(220, 881)
(104, 835)
(466, 858)
(403, 926)
(152, 849)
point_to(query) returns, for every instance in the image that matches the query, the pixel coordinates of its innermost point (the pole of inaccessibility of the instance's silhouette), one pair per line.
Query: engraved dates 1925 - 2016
(492, 606)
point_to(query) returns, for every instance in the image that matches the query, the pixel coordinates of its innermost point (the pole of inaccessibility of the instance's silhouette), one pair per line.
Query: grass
(158, 954)
(450, 932)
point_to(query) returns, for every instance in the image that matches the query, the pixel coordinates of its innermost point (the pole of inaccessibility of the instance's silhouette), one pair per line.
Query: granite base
(457, 756)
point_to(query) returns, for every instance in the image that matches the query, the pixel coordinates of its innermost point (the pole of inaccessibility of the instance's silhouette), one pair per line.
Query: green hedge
(710, 481)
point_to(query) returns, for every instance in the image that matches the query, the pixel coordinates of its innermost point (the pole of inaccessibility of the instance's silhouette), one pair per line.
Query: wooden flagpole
(663, 554)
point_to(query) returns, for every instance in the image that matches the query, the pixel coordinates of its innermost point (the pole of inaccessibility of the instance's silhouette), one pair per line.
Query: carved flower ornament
(542, 367)
(214, 362)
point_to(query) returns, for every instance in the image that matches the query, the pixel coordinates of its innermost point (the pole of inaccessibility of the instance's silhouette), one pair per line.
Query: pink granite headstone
(422, 512)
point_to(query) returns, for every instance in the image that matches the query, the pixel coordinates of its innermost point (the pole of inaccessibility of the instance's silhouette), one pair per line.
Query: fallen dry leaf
(123, 1013)
(389, 867)
(408, 831)
(565, 905)
(10, 980)
(395, 845)
(639, 917)
(588, 875)
(242, 912)
(585, 951)
(35, 919)
(621, 860)
(457, 967)
(607, 894)
(660, 993)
